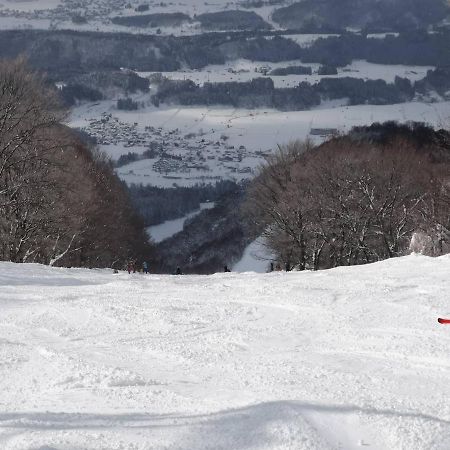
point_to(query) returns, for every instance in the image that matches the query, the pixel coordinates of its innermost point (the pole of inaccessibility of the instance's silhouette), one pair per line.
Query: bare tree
(272, 209)
(59, 202)
(350, 200)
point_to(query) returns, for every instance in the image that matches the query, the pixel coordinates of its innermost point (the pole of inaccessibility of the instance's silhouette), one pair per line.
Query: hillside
(381, 14)
(347, 358)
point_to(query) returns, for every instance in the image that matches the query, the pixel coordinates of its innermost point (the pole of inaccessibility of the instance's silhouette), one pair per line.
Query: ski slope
(348, 358)
(256, 258)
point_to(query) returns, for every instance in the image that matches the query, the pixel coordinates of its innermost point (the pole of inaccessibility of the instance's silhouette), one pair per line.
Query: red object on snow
(444, 321)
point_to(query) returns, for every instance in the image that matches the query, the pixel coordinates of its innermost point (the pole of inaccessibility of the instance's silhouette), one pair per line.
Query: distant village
(174, 152)
(67, 10)
(79, 12)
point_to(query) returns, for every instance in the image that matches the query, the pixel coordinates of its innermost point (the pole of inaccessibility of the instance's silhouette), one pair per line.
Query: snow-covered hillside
(58, 14)
(341, 359)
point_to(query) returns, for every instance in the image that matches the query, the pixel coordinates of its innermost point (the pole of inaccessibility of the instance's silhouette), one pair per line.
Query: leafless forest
(373, 194)
(60, 202)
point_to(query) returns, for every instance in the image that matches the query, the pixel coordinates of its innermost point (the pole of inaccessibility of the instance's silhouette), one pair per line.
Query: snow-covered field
(348, 358)
(242, 70)
(57, 14)
(258, 131)
(29, 5)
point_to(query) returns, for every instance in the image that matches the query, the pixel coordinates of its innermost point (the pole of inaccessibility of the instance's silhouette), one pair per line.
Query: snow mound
(346, 358)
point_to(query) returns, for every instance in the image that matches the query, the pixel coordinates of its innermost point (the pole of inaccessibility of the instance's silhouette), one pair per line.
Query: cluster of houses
(67, 9)
(108, 130)
(174, 153)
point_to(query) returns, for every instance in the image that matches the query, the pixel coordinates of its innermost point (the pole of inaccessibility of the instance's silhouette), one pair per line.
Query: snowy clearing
(348, 358)
(242, 70)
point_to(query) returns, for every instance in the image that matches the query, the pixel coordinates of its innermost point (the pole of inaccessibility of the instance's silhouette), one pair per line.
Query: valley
(201, 145)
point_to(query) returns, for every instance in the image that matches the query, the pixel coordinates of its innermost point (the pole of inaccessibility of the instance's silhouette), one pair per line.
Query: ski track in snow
(348, 358)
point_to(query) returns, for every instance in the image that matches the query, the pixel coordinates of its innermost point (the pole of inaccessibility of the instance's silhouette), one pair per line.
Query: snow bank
(346, 358)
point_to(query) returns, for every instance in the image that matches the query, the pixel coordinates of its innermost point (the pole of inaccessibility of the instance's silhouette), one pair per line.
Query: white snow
(348, 358)
(242, 70)
(169, 228)
(306, 40)
(56, 14)
(256, 258)
(30, 5)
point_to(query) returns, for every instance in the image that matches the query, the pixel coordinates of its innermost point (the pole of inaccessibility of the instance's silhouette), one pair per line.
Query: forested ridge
(64, 54)
(379, 192)
(60, 201)
(381, 14)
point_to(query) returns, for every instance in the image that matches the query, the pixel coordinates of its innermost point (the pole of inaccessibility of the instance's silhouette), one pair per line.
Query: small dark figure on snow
(271, 267)
(226, 269)
(178, 271)
(145, 267)
(130, 267)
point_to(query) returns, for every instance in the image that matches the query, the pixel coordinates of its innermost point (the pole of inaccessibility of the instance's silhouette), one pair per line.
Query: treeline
(57, 52)
(291, 70)
(393, 15)
(232, 20)
(103, 84)
(376, 193)
(60, 202)
(216, 21)
(436, 80)
(156, 205)
(415, 47)
(152, 20)
(131, 157)
(261, 92)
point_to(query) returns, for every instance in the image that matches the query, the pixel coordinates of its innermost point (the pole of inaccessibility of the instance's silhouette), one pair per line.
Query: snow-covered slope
(256, 258)
(342, 359)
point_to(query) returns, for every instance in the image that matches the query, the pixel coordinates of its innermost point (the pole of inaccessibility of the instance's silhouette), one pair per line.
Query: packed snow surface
(348, 358)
